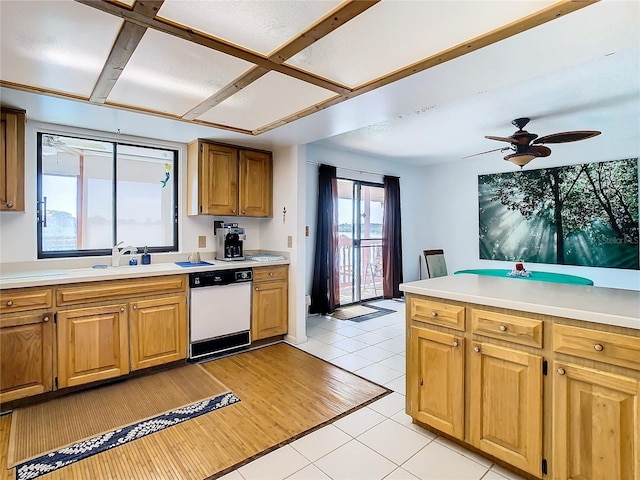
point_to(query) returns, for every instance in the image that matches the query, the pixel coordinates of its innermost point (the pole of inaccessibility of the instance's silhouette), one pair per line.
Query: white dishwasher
(219, 311)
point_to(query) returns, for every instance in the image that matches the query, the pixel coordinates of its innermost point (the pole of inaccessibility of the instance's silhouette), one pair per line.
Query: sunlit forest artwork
(575, 215)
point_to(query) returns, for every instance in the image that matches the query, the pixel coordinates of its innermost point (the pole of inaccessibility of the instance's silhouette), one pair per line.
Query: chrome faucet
(117, 253)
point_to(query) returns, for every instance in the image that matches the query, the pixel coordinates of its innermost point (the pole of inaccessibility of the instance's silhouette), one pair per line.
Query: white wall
(18, 240)
(411, 191)
(451, 221)
(288, 188)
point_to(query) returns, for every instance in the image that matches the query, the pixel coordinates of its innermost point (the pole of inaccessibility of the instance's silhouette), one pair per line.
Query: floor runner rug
(360, 313)
(49, 462)
(67, 420)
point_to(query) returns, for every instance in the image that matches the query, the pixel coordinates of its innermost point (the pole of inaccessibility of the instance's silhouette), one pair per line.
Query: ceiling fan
(527, 146)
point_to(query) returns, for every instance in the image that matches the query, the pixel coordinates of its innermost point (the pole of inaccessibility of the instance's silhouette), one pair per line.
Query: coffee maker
(229, 238)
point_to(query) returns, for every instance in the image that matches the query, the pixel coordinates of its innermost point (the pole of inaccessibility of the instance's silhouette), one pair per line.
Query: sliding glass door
(360, 210)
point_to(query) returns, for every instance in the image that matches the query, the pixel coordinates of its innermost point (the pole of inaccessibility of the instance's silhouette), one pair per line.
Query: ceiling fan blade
(540, 150)
(565, 137)
(488, 151)
(500, 139)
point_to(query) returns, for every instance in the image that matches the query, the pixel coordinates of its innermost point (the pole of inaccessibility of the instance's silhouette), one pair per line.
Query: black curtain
(325, 287)
(391, 239)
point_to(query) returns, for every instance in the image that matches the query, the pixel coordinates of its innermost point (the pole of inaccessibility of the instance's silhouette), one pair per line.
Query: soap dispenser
(146, 257)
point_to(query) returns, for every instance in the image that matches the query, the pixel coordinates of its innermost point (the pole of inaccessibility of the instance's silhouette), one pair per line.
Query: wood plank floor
(284, 394)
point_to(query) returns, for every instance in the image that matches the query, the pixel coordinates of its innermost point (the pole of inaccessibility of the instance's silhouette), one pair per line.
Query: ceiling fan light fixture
(520, 159)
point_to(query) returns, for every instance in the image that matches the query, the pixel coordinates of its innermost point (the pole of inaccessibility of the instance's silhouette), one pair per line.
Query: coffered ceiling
(245, 66)
(418, 80)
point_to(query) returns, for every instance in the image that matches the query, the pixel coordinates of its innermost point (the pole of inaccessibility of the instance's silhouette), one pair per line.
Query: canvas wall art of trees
(573, 215)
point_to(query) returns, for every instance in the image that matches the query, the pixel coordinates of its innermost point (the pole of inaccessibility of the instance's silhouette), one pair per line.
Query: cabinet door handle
(135, 307)
(233, 211)
(9, 205)
(243, 212)
(271, 274)
(9, 303)
(421, 382)
(257, 289)
(503, 328)
(45, 319)
(455, 343)
(598, 347)
(476, 349)
(122, 309)
(434, 313)
(561, 371)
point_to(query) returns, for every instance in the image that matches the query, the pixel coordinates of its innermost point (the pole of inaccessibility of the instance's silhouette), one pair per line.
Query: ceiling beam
(213, 43)
(126, 42)
(315, 32)
(552, 12)
(225, 92)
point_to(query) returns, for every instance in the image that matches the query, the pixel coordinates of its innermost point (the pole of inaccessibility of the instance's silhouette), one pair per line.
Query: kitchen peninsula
(544, 378)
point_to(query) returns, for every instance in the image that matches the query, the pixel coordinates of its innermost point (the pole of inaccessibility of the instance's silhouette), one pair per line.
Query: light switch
(306, 230)
(202, 241)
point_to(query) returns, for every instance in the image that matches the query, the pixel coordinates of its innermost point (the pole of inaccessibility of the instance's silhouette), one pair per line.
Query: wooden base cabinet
(26, 355)
(158, 331)
(596, 429)
(505, 412)
(93, 344)
(436, 380)
(269, 312)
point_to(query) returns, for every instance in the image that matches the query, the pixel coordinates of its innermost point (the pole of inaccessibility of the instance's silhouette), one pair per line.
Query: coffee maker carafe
(229, 240)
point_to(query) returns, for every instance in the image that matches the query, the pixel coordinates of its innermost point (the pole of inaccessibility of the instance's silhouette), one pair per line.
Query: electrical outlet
(306, 230)
(289, 241)
(202, 241)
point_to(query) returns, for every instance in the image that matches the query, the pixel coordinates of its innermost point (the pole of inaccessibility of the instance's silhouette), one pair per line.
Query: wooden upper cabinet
(256, 180)
(227, 180)
(12, 160)
(219, 180)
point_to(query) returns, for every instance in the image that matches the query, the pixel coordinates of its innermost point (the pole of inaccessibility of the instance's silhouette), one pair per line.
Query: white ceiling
(578, 72)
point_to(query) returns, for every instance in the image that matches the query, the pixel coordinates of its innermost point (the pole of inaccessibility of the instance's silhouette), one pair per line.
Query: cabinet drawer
(28, 299)
(437, 313)
(118, 289)
(262, 274)
(521, 330)
(614, 348)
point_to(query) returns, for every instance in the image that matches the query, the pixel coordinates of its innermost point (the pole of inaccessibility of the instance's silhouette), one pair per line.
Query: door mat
(78, 417)
(360, 313)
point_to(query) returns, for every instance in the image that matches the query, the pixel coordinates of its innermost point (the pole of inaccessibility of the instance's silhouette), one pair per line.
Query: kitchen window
(93, 194)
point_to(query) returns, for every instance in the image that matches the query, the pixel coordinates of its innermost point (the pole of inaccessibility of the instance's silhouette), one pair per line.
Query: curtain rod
(349, 169)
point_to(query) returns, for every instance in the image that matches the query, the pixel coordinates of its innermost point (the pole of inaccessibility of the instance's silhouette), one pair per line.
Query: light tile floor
(378, 441)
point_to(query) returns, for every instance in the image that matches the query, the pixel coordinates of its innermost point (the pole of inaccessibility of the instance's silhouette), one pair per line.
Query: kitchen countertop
(58, 276)
(610, 306)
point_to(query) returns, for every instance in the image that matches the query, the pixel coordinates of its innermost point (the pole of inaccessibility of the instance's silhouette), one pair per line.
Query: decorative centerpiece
(519, 271)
